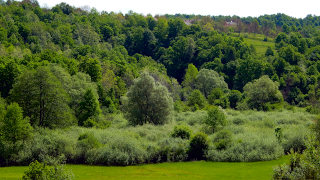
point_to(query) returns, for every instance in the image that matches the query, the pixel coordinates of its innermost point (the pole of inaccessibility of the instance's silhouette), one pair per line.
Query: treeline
(67, 66)
(54, 48)
(269, 25)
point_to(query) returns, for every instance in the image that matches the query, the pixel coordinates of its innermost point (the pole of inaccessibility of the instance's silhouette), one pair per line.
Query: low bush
(121, 151)
(41, 171)
(183, 132)
(198, 146)
(171, 150)
(222, 139)
(295, 139)
(86, 142)
(249, 149)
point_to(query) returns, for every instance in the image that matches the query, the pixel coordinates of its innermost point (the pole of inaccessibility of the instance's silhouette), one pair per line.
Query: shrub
(301, 166)
(183, 132)
(215, 118)
(198, 146)
(196, 100)
(317, 128)
(218, 98)
(40, 171)
(294, 139)
(223, 139)
(120, 150)
(234, 97)
(86, 142)
(171, 150)
(248, 149)
(50, 146)
(180, 106)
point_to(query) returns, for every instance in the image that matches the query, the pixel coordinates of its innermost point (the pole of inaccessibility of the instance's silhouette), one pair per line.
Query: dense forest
(83, 86)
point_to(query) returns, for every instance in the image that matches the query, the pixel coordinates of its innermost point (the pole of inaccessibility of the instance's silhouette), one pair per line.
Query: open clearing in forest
(181, 170)
(257, 40)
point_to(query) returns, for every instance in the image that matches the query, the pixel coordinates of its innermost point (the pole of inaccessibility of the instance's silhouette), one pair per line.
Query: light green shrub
(222, 139)
(41, 171)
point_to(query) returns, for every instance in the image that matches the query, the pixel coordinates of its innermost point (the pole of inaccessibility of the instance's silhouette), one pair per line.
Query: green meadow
(180, 170)
(257, 40)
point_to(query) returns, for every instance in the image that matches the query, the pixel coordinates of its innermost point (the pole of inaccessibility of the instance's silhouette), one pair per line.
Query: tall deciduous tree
(207, 79)
(89, 107)
(8, 72)
(92, 67)
(148, 102)
(42, 98)
(262, 91)
(190, 76)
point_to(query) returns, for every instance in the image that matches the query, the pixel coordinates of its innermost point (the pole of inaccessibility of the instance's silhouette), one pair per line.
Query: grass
(181, 170)
(257, 41)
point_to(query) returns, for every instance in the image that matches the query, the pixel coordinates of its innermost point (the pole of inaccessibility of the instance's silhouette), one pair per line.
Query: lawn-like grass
(181, 170)
(257, 41)
(260, 45)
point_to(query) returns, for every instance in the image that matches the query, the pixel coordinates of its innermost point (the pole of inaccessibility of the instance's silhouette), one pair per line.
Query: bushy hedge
(253, 149)
(250, 136)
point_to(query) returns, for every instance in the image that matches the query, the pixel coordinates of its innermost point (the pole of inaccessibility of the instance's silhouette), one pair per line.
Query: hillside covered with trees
(82, 86)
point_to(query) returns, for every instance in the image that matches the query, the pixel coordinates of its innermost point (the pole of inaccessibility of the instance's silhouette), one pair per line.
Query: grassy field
(257, 41)
(181, 170)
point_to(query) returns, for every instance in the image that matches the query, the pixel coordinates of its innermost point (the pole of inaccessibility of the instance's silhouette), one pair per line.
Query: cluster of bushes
(305, 165)
(244, 136)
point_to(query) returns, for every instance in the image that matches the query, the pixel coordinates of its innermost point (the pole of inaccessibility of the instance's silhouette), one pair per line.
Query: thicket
(248, 136)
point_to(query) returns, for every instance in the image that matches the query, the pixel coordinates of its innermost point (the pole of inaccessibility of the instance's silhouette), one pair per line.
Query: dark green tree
(88, 108)
(8, 72)
(42, 98)
(235, 96)
(198, 146)
(269, 52)
(92, 67)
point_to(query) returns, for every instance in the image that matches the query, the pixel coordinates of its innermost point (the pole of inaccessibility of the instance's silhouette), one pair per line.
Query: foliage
(148, 102)
(43, 172)
(262, 91)
(223, 139)
(235, 97)
(249, 149)
(196, 100)
(71, 66)
(198, 146)
(206, 80)
(215, 119)
(42, 98)
(190, 76)
(88, 108)
(183, 132)
(301, 166)
(218, 98)
(14, 127)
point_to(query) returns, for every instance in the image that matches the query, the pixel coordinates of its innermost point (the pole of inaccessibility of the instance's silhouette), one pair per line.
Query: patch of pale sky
(243, 8)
